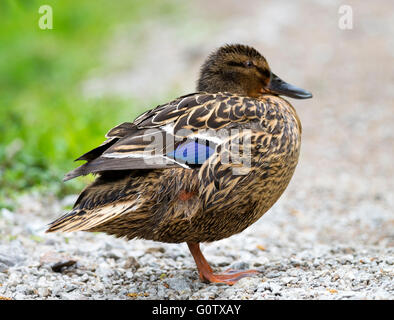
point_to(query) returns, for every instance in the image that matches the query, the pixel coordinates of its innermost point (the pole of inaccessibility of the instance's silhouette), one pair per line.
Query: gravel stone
(239, 266)
(8, 261)
(178, 284)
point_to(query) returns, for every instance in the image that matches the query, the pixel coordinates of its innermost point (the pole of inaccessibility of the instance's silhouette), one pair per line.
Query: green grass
(45, 122)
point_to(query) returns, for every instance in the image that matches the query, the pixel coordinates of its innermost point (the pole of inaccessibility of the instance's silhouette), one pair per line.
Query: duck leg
(206, 274)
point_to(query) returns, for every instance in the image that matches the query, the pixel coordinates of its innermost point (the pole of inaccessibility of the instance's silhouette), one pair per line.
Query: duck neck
(223, 82)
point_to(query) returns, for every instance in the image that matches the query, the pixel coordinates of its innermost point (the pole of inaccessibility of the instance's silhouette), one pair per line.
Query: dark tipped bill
(279, 87)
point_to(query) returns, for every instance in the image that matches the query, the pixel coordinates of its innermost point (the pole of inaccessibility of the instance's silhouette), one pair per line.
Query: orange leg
(206, 274)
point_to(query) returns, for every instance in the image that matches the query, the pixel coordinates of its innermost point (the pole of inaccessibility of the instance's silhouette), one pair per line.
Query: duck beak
(279, 87)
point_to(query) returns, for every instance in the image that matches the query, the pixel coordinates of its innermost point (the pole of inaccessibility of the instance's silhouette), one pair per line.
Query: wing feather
(149, 141)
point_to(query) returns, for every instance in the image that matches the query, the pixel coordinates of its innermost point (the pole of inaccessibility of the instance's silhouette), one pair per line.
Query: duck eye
(249, 64)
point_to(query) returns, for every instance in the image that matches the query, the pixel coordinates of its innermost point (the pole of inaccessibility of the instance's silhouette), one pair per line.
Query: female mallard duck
(200, 168)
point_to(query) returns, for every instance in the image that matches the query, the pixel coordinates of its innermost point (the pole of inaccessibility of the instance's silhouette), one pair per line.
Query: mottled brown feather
(148, 205)
(208, 201)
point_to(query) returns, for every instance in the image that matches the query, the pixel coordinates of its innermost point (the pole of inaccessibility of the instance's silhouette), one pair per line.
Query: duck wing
(181, 133)
(195, 124)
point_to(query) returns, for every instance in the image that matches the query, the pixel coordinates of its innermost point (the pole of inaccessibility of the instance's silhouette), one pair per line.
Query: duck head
(240, 69)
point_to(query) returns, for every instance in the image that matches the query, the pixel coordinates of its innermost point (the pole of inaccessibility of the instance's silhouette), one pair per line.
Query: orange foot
(229, 277)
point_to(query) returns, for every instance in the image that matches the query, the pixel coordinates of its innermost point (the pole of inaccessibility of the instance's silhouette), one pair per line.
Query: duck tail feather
(87, 219)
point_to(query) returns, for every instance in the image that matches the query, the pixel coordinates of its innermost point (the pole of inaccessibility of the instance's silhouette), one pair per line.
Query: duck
(200, 168)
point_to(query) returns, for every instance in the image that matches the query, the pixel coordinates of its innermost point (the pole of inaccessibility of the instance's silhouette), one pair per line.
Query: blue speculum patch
(192, 152)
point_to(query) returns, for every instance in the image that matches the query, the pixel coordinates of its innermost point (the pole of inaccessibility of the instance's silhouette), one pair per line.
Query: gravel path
(302, 249)
(330, 236)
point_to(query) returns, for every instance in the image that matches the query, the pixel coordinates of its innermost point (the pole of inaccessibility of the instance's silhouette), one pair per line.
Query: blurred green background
(45, 120)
